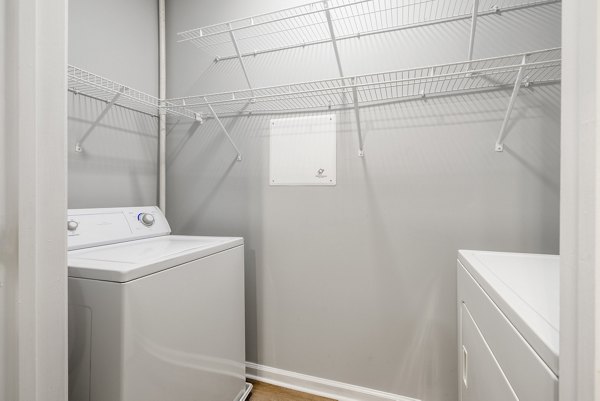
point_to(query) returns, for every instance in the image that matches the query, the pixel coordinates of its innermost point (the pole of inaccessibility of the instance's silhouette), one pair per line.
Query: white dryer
(153, 316)
(508, 326)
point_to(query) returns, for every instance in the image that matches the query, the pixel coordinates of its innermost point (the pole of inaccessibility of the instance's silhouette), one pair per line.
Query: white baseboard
(317, 386)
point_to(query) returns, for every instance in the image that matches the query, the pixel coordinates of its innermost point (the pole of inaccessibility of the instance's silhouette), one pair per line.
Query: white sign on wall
(303, 151)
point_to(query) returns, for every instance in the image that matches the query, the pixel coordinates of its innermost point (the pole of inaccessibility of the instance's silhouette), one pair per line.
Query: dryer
(508, 326)
(153, 316)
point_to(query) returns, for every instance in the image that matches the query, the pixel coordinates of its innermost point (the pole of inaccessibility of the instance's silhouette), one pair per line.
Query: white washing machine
(153, 316)
(508, 326)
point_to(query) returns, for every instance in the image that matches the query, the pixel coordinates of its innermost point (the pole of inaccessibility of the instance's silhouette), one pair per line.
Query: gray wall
(356, 283)
(117, 40)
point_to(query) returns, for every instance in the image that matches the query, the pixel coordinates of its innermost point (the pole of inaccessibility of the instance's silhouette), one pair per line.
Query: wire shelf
(542, 66)
(308, 24)
(100, 88)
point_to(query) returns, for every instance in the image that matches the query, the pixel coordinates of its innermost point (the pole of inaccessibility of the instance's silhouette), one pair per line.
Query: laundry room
(351, 200)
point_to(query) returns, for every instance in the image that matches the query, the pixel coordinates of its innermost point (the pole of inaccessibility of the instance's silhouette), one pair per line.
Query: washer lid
(526, 288)
(130, 260)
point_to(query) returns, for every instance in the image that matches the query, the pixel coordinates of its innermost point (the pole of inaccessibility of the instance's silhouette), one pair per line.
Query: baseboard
(318, 386)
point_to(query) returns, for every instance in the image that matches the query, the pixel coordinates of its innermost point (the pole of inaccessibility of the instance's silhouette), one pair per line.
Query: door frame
(580, 203)
(40, 37)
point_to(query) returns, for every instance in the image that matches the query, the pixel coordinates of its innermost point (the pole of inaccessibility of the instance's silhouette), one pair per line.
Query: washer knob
(147, 219)
(72, 225)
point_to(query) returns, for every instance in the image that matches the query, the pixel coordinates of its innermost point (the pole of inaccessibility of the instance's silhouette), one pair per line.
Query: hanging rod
(542, 66)
(350, 107)
(531, 68)
(309, 24)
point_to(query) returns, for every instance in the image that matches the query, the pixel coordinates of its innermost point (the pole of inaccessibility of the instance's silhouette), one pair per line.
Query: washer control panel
(94, 227)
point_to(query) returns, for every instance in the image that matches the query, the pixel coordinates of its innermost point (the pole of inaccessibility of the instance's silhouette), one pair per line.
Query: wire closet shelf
(331, 20)
(535, 68)
(94, 86)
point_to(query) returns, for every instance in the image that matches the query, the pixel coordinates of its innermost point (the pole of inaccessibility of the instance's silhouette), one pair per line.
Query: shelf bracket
(216, 117)
(473, 29)
(511, 103)
(361, 151)
(333, 37)
(240, 57)
(110, 104)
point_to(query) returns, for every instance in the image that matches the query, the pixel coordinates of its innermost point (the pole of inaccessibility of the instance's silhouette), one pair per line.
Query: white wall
(118, 167)
(356, 283)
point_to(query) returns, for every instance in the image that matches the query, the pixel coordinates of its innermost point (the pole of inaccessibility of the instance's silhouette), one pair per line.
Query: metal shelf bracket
(361, 151)
(110, 104)
(473, 29)
(511, 104)
(333, 37)
(216, 117)
(239, 56)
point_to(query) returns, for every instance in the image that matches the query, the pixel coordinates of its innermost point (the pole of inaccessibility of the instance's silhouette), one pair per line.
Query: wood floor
(267, 392)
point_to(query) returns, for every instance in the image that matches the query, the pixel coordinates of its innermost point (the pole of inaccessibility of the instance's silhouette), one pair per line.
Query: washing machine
(508, 326)
(153, 316)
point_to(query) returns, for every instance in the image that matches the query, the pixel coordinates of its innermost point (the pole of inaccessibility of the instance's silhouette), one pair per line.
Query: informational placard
(303, 151)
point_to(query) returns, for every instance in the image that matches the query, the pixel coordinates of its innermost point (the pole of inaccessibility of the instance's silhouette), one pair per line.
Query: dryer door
(482, 377)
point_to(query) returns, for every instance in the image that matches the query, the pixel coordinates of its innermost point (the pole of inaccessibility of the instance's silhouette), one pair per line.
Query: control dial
(146, 219)
(72, 225)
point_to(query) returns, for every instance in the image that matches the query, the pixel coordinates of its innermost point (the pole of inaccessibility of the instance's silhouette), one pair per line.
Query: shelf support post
(361, 151)
(511, 103)
(333, 38)
(110, 104)
(216, 117)
(473, 29)
(240, 57)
